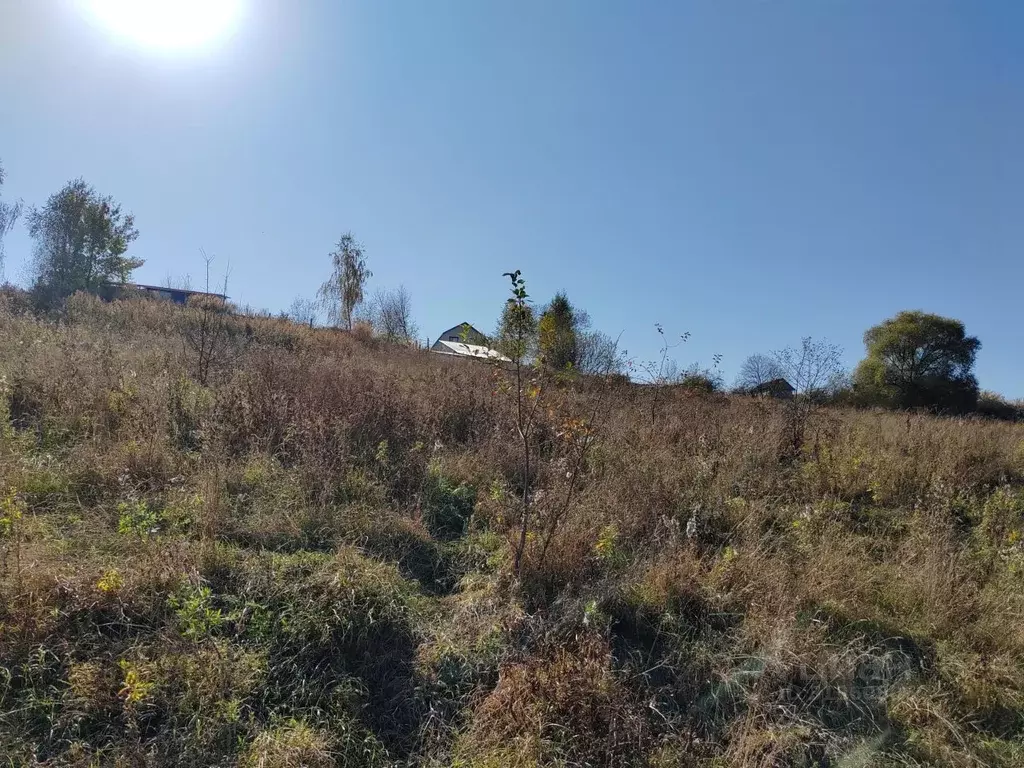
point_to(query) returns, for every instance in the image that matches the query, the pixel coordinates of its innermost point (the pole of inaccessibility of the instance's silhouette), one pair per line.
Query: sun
(168, 24)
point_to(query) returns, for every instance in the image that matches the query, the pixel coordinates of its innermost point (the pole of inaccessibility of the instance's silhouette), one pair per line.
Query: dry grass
(308, 561)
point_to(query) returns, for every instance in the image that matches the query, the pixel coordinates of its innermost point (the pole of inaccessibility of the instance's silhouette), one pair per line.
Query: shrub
(565, 706)
(447, 508)
(994, 406)
(701, 380)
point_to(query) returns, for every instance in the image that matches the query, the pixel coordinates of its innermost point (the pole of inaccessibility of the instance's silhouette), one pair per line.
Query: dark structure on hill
(779, 388)
(176, 295)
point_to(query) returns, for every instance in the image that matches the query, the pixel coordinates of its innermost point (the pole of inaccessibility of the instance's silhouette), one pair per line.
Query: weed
(193, 607)
(137, 518)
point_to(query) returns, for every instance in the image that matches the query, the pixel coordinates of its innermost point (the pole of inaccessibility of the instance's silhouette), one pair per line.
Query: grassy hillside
(308, 561)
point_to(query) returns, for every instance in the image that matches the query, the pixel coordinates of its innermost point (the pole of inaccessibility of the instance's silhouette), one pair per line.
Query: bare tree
(342, 292)
(757, 370)
(661, 372)
(812, 367)
(178, 282)
(390, 314)
(206, 329)
(599, 353)
(303, 311)
(9, 213)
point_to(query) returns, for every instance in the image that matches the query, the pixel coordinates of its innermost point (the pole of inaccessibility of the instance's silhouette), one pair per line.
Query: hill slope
(308, 559)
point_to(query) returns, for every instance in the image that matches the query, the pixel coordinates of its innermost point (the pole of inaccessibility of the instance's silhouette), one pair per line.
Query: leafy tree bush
(516, 337)
(558, 340)
(81, 243)
(919, 360)
(342, 292)
(995, 406)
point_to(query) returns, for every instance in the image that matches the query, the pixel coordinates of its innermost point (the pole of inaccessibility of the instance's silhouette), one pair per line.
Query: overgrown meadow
(235, 541)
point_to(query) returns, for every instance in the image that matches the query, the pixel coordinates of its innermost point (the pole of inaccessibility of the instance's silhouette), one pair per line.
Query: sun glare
(168, 24)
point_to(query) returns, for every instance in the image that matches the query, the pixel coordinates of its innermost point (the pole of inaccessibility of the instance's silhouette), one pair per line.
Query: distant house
(465, 333)
(175, 295)
(779, 388)
(464, 340)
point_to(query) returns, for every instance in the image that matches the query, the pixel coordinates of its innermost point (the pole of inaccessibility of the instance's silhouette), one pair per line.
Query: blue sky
(750, 172)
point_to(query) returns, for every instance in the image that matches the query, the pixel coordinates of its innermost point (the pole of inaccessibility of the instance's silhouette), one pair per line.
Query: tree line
(914, 360)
